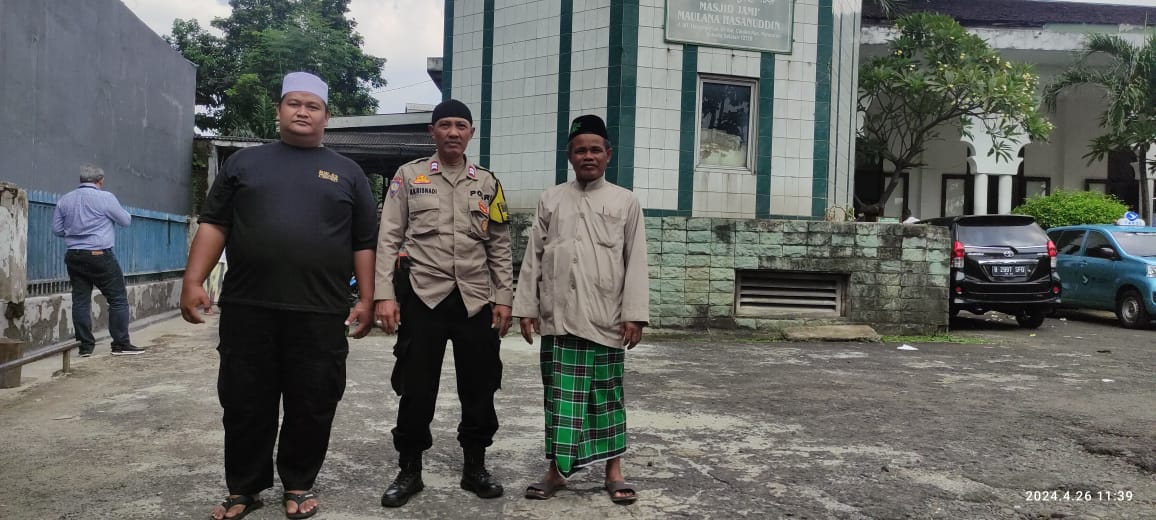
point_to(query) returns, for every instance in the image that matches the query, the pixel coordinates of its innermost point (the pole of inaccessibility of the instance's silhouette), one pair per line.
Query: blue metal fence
(155, 245)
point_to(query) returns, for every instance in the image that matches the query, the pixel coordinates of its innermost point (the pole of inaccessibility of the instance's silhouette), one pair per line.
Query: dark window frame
(1088, 183)
(1023, 184)
(967, 196)
(752, 121)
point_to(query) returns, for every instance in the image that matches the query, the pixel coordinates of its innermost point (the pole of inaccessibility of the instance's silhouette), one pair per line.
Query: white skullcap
(305, 82)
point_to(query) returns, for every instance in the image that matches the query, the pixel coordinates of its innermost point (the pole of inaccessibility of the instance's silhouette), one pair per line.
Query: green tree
(937, 73)
(239, 74)
(1128, 81)
(250, 112)
(1068, 208)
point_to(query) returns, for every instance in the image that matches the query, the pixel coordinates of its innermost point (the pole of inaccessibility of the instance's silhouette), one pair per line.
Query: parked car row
(1009, 264)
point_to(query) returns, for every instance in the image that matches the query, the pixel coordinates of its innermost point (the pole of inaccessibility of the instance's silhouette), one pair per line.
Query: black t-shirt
(293, 218)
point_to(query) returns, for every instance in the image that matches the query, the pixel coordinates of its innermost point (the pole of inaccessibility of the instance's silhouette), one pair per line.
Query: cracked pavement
(1031, 424)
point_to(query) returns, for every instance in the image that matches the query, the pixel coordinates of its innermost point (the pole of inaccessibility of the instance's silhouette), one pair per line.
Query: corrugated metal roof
(406, 144)
(419, 139)
(1022, 13)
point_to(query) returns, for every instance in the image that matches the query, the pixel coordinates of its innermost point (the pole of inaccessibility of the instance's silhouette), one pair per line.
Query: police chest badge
(395, 186)
(421, 179)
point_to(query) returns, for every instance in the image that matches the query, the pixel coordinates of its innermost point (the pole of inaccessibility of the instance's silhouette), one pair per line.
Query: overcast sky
(404, 32)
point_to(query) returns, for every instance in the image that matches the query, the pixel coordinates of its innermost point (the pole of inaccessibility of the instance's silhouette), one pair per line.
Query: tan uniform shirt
(585, 267)
(441, 218)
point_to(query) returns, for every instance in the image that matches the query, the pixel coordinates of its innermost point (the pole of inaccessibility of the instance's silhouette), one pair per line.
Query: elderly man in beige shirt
(584, 287)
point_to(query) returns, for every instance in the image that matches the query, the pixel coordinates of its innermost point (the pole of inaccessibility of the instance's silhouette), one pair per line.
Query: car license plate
(1009, 270)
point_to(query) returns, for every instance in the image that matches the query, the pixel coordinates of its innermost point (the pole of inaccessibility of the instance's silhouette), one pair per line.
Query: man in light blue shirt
(85, 218)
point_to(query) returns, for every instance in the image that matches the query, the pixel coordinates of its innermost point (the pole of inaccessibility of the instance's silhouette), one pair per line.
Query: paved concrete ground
(1033, 424)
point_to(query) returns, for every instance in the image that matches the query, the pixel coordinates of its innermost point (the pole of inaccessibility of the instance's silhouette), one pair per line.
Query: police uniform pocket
(479, 218)
(424, 212)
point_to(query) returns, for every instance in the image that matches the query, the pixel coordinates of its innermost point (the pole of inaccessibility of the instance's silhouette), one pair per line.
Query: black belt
(93, 252)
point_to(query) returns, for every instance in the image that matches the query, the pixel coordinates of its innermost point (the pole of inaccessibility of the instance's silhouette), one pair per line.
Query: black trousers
(420, 348)
(88, 269)
(267, 354)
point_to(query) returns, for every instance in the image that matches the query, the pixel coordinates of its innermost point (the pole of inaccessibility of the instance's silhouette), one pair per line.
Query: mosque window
(726, 119)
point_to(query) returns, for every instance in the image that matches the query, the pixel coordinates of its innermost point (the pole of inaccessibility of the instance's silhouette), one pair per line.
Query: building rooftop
(1023, 13)
(358, 144)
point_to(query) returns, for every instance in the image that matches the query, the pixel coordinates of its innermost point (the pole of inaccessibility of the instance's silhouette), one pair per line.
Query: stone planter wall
(896, 275)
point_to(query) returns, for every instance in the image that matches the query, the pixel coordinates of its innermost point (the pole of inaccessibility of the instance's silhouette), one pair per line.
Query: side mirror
(1106, 252)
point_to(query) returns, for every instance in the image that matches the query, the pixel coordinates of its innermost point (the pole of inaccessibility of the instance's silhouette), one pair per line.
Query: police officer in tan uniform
(454, 281)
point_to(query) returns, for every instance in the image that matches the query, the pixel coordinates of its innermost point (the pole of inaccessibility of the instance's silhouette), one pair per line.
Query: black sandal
(299, 498)
(251, 503)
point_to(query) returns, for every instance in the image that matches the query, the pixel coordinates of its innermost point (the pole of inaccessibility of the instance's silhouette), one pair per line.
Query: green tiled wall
(897, 274)
(622, 90)
(486, 117)
(565, 28)
(448, 50)
(822, 110)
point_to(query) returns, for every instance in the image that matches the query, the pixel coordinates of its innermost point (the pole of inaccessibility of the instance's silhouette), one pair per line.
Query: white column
(979, 199)
(1005, 194)
(13, 246)
(213, 167)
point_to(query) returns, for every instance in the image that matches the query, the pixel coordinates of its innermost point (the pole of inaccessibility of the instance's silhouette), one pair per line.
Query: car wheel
(1031, 319)
(1131, 312)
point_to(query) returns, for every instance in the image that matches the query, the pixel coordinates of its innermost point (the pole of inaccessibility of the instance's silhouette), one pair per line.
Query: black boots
(475, 478)
(407, 484)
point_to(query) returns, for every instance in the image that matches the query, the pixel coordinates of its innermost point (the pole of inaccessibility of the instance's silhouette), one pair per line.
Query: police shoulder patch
(497, 209)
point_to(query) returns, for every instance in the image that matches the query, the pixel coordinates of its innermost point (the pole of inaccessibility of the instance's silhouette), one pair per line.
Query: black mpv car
(1002, 263)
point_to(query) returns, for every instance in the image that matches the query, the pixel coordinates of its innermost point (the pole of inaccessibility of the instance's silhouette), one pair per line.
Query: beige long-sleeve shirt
(584, 272)
(441, 217)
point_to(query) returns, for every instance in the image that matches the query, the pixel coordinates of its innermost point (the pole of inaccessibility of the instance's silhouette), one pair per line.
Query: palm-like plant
(1129, 83)
(890, 7)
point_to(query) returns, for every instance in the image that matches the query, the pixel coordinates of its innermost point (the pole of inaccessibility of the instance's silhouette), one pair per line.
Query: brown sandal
(542, 490)
(619, 486)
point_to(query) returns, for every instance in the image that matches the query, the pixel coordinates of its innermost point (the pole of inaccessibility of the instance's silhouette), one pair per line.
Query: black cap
(588, 124)
(452, 108)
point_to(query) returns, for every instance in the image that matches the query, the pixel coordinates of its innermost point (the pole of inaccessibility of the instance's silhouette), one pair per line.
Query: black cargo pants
(268, 354)
(420, 349)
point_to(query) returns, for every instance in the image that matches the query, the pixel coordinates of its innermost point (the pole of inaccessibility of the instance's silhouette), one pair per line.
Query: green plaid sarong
(585, 407)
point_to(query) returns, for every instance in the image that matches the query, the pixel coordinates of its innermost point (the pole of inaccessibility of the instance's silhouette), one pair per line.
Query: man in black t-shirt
(297, 219)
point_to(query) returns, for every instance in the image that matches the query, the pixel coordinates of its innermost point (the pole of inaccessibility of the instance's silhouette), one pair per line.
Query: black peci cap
(588, 124)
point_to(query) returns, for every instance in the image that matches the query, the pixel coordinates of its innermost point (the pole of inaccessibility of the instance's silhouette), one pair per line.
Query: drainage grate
(788, 293)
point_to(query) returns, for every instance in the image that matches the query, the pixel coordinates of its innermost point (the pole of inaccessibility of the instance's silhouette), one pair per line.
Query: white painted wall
(658, 118)
(466, 79)
(844, 85)
(1061, 158)
(793, 143)
(1076, 119)
(525, 98)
